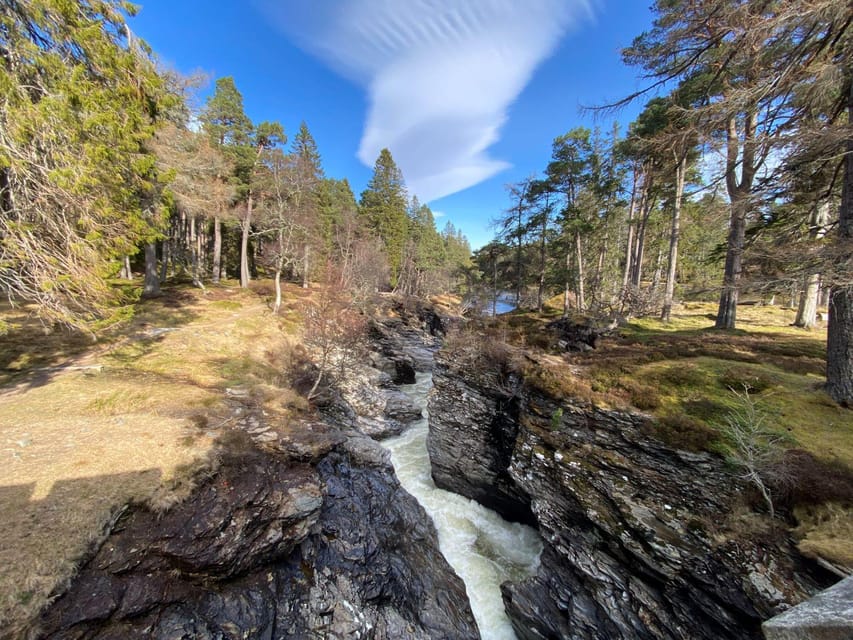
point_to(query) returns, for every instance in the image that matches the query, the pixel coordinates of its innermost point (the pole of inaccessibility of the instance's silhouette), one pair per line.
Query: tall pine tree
(383, 205)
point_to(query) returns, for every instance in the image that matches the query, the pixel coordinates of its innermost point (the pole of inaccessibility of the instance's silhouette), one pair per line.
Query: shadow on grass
(47, 537)
(640, 345)
(32, 352)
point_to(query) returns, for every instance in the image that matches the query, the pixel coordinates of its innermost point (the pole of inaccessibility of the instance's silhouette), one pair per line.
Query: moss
(749, 379)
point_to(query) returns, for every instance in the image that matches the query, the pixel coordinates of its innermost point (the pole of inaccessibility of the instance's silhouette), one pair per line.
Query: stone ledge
(827, 616)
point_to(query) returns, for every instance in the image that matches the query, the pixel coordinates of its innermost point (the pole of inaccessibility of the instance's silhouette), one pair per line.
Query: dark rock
(271, 548)
(379, 428)
(404, 370)
(579, 336)
(399, 406)
(356, 573)
(636, 544)
(472, 434)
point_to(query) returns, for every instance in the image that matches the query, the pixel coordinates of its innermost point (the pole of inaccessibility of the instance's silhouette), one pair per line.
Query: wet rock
(273, 548)
(636, 542)
(399, 406)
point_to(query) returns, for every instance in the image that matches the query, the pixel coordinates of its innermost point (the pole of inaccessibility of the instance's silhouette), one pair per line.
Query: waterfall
(483, 548)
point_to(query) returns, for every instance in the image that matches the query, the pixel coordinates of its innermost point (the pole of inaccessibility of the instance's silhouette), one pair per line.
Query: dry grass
(132, 419)
(826, 531)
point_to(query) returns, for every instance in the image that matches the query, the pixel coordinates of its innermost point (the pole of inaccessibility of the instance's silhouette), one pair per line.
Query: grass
(682, 375)
(86, 428)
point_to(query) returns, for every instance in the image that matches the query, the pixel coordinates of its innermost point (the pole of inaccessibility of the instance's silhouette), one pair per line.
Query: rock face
(273, 547)
(402, 346)
(472, 435)
(636, 544)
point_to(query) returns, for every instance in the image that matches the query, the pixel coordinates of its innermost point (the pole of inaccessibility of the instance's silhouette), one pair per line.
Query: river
(483, 548)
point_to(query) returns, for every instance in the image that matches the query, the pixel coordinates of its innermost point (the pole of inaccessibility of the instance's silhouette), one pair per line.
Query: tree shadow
(45, 538)
(33, 352)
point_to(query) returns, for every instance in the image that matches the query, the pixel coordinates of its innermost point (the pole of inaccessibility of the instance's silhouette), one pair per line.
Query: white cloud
(438, 214)
(440, 74)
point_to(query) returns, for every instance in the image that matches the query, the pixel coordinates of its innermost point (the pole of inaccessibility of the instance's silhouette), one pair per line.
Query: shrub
(799, 479)
(704, 409)
(683, 432)
(753, 448)
(682, 375)
(641, 395)
(472, 346)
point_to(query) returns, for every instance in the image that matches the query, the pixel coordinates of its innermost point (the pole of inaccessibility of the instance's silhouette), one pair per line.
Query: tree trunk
(579, 254)
(495, 286)
(807, 311)
(646, 204)
(164, 261)
(126, 272)
(542, 261)
(629, 247)
(217, 250)
(277, 304)
(658, 268)
(246, 225)
(568, 284)
(193, 246)
(727, 311)
(151, 286)
(739, 192)
(680, 171)
(306, 267)
(839, 335)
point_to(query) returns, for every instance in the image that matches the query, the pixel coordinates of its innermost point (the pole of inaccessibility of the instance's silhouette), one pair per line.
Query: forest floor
(87, 427)
(691, 378)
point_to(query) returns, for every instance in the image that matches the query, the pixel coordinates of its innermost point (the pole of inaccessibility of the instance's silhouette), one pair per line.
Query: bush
(682, 375)
(641, 395)
(799, 479)
(683, 432)
(472, 346)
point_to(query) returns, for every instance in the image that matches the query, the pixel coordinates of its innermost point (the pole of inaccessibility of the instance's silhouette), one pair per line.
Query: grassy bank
(88, 427)
(689, 379)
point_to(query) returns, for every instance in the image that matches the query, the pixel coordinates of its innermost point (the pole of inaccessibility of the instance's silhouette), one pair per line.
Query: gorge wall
(641, 540)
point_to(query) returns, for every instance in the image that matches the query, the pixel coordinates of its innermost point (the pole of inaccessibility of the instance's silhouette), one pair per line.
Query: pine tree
(306, 180)
(228, 126)
(383, 205)
(79, 189)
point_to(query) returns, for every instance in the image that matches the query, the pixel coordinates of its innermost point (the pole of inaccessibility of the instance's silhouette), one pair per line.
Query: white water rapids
(483, 548)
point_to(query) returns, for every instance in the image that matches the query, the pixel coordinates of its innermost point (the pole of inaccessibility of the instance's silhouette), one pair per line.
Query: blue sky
(467, 94)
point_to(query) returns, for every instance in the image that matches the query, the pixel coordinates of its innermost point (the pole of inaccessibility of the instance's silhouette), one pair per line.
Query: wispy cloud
(440, 74)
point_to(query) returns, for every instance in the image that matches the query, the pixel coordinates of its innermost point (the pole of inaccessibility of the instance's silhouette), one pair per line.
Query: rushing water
(483, 548)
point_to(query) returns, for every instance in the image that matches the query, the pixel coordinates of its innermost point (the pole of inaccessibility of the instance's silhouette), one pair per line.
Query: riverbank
(195, 412)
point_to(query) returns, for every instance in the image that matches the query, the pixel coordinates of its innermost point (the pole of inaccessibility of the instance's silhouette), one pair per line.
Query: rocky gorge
(312, 536)
(289, 536)
(641, 540)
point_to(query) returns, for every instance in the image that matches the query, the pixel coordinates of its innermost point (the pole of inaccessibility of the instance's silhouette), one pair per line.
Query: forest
(734, 183)
(209, 345)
